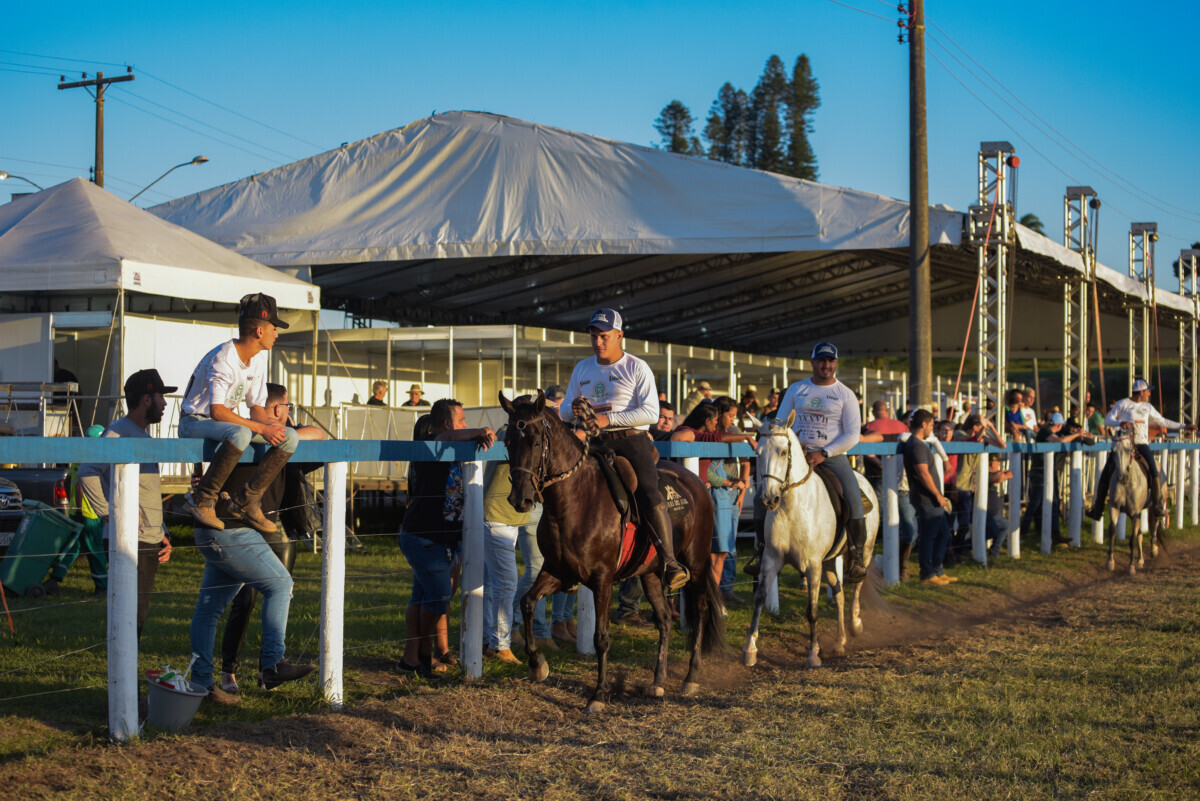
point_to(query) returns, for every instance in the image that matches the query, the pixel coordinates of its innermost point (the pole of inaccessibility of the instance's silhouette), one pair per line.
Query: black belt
(628, 432)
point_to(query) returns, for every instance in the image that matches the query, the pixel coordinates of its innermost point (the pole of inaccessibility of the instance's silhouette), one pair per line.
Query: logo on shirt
(815, 403)
(600, 391)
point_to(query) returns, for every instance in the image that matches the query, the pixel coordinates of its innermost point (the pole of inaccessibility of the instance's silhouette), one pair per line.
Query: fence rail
(1182, 465)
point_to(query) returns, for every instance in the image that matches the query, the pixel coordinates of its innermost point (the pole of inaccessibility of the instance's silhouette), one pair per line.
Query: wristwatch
(824, 453)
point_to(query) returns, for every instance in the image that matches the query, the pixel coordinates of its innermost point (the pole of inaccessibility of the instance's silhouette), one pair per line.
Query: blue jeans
(840, 467)
(232, 558)
(934, 531)
(564, 607)
(240, 437)
(499, 583)
(430, 563)
(532, 559)
(908, 518)
(724, 519)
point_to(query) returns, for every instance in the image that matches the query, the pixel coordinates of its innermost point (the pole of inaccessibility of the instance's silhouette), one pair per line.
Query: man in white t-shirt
(621, 391)
(828, 423)
(227, 376)
(1137, 413)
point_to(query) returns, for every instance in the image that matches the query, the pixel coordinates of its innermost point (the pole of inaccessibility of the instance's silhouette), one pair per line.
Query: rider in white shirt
(828, 423)
(1136, 413)
(620, 389)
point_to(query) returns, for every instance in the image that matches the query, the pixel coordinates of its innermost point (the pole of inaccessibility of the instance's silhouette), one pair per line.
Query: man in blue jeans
(932, 526)
(235, 557)
(228, 375)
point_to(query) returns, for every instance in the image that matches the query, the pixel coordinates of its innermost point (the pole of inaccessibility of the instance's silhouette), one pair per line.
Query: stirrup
(678, 578)
(754, 566)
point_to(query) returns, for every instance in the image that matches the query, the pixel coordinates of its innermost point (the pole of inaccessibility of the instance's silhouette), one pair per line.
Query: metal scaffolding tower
(1142, 237)
(991, 232)
(1077, 236)
(1188, 410)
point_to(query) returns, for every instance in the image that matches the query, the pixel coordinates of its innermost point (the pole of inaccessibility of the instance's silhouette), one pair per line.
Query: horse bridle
(540, 481)
(788, 486)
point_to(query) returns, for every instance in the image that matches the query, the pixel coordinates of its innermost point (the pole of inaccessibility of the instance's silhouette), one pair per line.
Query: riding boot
(1096, 512)
(246, 503)
(856, 534)
(675, 574)
(905, 555)
(1155, 487)
(754, 566)
(202, 501)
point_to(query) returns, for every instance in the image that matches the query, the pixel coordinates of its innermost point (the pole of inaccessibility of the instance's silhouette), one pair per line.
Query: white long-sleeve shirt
(1141, 415)
(624, 390)
(827, 417)
(222, 378)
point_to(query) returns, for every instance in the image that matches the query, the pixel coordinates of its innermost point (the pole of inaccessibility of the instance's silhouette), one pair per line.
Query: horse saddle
(841, 510)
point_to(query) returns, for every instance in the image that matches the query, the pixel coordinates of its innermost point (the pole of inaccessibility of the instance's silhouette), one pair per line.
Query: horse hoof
(814, 661)
(839, 652)
(540, 672)
(856, 627)
(750, 658)
(1132, 570)
(1111, 566)
(655, 691)
(594, 708)
(690, 688)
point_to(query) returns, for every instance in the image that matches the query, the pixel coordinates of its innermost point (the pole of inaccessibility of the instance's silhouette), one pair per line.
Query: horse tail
(1160, 533)
(713, 622)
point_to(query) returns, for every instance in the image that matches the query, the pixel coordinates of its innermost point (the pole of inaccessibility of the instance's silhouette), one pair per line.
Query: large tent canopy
(78, 239)
(473, 218)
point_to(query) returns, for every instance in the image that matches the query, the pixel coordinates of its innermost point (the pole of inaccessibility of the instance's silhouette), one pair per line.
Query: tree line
(767, 129)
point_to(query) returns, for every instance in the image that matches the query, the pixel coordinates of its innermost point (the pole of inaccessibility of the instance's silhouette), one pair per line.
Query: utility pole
(101, 83)
(920, 343)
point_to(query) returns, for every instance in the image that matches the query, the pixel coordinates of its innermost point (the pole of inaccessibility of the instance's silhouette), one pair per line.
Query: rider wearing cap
(1138, 413)
(620, 389)
(828, 423)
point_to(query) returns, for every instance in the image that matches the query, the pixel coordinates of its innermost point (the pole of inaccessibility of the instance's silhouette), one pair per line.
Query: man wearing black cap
(144, 392)
(828, 423)
(228, 375)
(621, 391)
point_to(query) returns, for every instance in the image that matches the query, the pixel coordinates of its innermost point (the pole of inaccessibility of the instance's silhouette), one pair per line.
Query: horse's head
(528, 443)
(1122, 454)
(775, 452)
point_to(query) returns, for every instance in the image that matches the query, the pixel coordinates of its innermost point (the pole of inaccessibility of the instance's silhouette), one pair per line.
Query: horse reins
(540, 481)
(788, 486)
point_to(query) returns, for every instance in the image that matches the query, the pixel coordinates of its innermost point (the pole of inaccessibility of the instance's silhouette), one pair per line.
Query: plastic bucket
(172, 709)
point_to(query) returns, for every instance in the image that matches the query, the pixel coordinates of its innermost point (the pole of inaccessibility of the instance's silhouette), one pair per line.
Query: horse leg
(1115, 517)
(856, 625)
(1135, 549)
(601, 587)
(653, 587)
(545, 584)
(813, 573)
(768, 572)
(839, 599)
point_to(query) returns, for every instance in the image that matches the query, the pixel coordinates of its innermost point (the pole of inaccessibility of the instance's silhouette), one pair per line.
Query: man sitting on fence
(1137, 413)
(227, 375)
(144, 392)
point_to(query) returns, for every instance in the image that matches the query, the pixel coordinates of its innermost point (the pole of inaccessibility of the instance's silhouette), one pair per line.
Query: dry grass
(1047, 680)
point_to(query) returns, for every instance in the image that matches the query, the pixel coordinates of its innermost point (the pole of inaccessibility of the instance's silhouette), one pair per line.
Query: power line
(864, 11)
(63, 58)
(1113, 174)
(215, 128)
(235, 113)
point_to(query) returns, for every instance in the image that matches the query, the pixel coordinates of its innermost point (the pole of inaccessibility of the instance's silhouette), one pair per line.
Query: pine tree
(803, 98)
(766, 140)
(674, 125)
(726, 127)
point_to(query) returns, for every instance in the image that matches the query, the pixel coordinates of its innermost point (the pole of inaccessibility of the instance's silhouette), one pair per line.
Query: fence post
(1098, 525)
(1180, 485)
(333, 583)
(470, 644)
(1075, 512)
(979, 514)
(890, 515)
(1014, 506)
(122, 603)
(1195, 486)
(1048, 480)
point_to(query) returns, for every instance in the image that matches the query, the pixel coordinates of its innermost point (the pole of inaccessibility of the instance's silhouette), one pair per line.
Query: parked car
(11, 511)
(50, 485)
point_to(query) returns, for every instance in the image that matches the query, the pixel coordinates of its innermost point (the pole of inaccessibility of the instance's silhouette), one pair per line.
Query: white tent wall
(28, 351)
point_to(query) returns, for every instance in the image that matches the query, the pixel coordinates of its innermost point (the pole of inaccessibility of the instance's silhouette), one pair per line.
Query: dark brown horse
(580, 539)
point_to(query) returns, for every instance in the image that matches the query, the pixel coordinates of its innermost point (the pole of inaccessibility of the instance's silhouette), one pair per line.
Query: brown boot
(246, 503)
(202, 501)
(905, 553)
(856, 535)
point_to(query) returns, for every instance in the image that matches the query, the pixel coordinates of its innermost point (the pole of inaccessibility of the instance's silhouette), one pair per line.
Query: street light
(5, 175)
(197, 160)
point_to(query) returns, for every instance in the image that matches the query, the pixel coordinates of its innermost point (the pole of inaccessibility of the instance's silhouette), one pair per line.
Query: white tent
(78, 238)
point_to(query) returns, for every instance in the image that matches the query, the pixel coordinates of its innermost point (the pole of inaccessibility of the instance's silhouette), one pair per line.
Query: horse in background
(580, 539)
(1128, 493)
(801, 529)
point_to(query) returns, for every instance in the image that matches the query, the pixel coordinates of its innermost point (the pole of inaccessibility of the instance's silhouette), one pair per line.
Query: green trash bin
(43, 534)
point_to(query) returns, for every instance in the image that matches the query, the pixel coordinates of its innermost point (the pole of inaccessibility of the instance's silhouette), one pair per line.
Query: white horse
(1128, 493)
(800, 531)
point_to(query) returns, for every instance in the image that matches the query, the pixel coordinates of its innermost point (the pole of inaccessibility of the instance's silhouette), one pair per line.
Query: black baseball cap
(260, 307)
(146, 382)
(556, 392)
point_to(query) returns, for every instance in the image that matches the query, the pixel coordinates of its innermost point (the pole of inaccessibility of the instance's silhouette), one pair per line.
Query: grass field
(1043, 678)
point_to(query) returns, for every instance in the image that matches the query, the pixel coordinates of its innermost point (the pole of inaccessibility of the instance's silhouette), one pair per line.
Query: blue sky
(1117, 84)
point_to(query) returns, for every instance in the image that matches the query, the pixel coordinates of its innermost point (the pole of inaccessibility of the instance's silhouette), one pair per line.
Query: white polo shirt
(222, 378)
